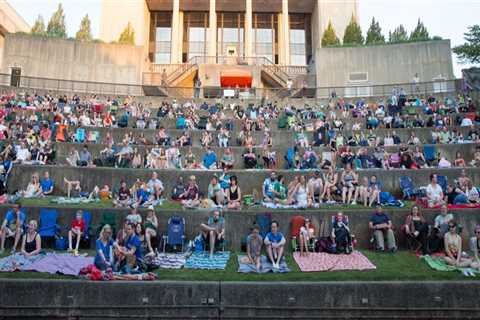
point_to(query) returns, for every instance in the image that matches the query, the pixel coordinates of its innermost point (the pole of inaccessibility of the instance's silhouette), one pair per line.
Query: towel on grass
(202, 260)
(322, 261)
(266, 266)
(169, 260)
(439, 264)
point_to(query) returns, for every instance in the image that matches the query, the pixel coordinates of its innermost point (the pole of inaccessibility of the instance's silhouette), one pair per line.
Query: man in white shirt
(155, 186)
(434, 192)
(22, 153)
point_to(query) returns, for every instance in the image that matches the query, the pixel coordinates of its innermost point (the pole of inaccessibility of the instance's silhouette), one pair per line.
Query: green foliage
(374, 33)
(38, 28)
(56, 25)
(329, 36)
(398, 35)
(127, 36)
(469, 52)
(420, 33)
(353, 33)
(85, 32)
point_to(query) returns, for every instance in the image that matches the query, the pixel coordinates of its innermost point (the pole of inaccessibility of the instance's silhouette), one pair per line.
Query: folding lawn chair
(175, 233)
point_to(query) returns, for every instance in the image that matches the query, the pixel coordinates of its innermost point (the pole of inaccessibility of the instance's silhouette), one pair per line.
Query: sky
(448, 19)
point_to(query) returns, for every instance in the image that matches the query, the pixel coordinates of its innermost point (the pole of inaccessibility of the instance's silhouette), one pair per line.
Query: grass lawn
(172, 205)
(401, 266)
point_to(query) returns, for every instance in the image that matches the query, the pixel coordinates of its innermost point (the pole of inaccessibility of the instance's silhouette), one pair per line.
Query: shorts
(206, 239)
(11, 233)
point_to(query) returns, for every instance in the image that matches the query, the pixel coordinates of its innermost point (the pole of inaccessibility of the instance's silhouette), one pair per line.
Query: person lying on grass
(275, 243)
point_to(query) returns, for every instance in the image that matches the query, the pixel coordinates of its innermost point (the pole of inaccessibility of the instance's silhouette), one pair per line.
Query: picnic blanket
(266, 266)
(323, 261)
(202, 260)
(271, 205)
(450, 206)
(17, 262)
(439, 264)
(49, 262)
(169, 260)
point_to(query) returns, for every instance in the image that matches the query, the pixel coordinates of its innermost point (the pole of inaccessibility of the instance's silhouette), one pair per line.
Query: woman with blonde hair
(104, 249)
(31, 242)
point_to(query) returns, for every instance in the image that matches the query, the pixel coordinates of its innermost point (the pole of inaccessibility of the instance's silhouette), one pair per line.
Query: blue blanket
(18, 262)
(266, 266)
(201, 260)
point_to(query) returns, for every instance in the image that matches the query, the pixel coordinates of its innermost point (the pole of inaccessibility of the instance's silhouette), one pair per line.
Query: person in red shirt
(77, 229)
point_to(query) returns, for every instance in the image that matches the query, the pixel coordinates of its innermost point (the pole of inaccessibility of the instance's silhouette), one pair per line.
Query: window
(160, 37)
(264, 28)
(195, 33)
(299, 36)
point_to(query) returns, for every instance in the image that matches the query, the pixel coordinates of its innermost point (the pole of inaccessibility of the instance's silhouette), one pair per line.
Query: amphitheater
(332, 102)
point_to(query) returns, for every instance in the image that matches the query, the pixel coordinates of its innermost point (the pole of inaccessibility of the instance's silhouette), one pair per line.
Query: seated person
(374, 189)
(103, 194)
(143, 196)
(416, 227)
(214, 231)
(33, 189)
(77, 230)
(31, 242)
(155, 186)
(190, 198)
(475, 247)
(268, 187)
(12, 226)
(73, 188)
(103, 249)
(85, 157)
(250, 159)
(178, 189)
(46, 184)
(280, 191)
(315, 188)
(124, 197)
(381, 225)
(209, 160)
(151, 229)
(434, 192)
(234, 194)
(275, 244)
(129, 257)
(453, 248)
(134, 217)
(440, 227)
(215, 192)
(341, 234)
(254, 247)
(227, 161)
(349, 181)
(307, 233)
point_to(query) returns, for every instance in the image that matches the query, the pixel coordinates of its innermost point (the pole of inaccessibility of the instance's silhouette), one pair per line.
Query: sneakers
(354, 203)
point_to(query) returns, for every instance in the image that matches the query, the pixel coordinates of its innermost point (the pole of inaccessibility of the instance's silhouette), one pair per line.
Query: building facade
(284, 32)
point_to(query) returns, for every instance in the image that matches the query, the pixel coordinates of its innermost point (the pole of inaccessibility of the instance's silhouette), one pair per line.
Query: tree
(469, 52)
(329, 36)
(374, 33)
(127, 36)
(398, 35)
(84, 33)
(420, 33)
(353, 33)
(56, 25)
(39, 27)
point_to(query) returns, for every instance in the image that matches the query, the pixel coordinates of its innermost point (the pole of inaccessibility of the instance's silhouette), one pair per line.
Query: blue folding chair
(175, 233)
(408, 189)
(443, 182)
(48, 223)
(430, 152)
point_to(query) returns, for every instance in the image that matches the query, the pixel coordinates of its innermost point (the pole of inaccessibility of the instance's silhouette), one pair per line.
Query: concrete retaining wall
(248, 180)
(384, 64)
(235, 300)
(73, 60)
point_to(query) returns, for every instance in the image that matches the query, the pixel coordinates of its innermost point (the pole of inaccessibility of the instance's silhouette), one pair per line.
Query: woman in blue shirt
(104, 249)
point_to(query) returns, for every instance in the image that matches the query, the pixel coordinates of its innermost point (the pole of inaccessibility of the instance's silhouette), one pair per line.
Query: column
(212, 38)
(248, 29)
(285, 33)
(174, 44)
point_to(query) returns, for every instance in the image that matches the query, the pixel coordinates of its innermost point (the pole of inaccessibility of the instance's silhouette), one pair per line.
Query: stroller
(343, 238)
(175, 234)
